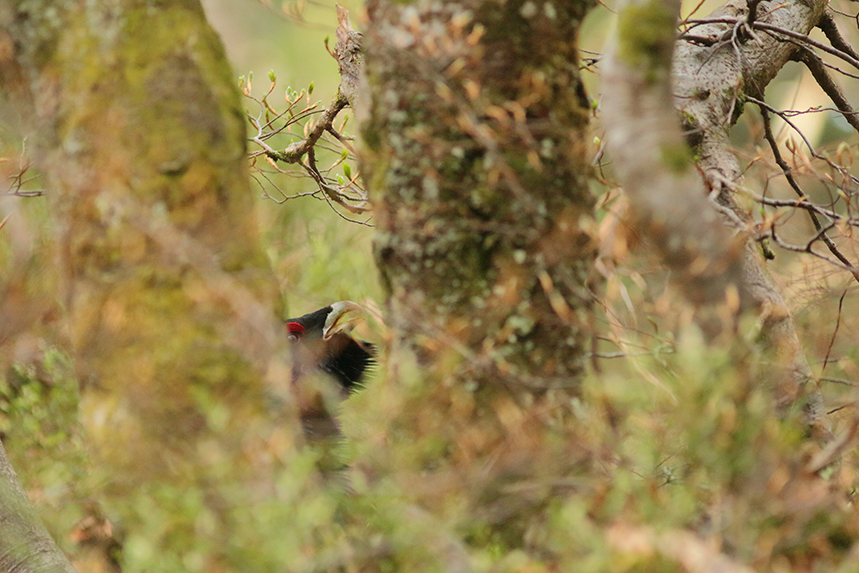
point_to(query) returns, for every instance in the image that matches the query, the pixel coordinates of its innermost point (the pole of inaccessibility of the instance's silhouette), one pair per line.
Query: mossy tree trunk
(475, 149)
(171, 303)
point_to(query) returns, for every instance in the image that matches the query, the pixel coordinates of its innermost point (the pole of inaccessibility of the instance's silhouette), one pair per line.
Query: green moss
(677, 156)
(646, 33)
(43, 436)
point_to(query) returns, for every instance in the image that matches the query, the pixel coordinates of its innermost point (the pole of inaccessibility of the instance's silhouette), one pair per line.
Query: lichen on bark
(478, 156)
(172, 306)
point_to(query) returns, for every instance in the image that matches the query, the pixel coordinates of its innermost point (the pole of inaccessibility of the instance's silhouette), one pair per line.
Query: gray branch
(25, 545)
(709, 82)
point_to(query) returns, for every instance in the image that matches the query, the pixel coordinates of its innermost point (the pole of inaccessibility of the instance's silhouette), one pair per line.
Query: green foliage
(40, 426)
(292, 524)
(681, 438)
(704, 447)
(646, 32)
(40, 414)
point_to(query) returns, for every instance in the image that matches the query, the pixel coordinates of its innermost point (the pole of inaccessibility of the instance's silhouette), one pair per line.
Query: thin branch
(841, 170)
(803, 204)
(830, 29)
(788, 174)
(808, 249)
(346, 143)
(832, 452)
(847, 57)
(347, 52)
(296, 151)
(331, 193)
(753, 11)
(841, 381)
(834, 332)
(815, 65)
(18, 180)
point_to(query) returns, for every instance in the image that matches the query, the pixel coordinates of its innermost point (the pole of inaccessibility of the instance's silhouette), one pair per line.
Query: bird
(321, 340)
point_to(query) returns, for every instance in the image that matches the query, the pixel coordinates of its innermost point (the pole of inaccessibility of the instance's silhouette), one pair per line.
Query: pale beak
(337, 320)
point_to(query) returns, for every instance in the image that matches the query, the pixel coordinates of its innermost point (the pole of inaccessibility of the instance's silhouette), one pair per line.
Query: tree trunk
(171, 302)
(705, 84)
(476, 151)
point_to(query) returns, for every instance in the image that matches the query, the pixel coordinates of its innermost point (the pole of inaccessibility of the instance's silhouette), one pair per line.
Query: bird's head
(322, 340)
(323, 324)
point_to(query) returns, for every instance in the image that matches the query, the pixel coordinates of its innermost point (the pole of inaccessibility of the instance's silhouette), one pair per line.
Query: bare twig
(18, 180)
(841, 381)
(808, 248)
(835, 331)
(841, 170)
(788, 174)
(753, 11)
(834, 449)
(830, 29)
(817, 69)
(331, 193)
(801, 38)
(302, 152)
(337, 135)
(296, 151)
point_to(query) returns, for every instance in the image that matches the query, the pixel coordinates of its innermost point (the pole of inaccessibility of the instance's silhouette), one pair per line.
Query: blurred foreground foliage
(41, 430)
(679, 458)
(683, 442)
(680, 461)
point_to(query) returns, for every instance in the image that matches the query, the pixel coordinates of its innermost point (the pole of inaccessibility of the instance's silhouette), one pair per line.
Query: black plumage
(321, 341)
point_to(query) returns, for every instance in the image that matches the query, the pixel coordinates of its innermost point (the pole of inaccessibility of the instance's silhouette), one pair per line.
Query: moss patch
(676, 156)
(646, 33)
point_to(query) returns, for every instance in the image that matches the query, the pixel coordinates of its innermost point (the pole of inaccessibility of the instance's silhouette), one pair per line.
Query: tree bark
(709, 85)
(25, 546)
(475, 150)
(715, 263)
(172, 306)
(655, 165)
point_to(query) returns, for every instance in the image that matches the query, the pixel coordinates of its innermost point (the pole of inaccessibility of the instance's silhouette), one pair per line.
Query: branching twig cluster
(19, 178)
(834, 219)
(318, 133)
